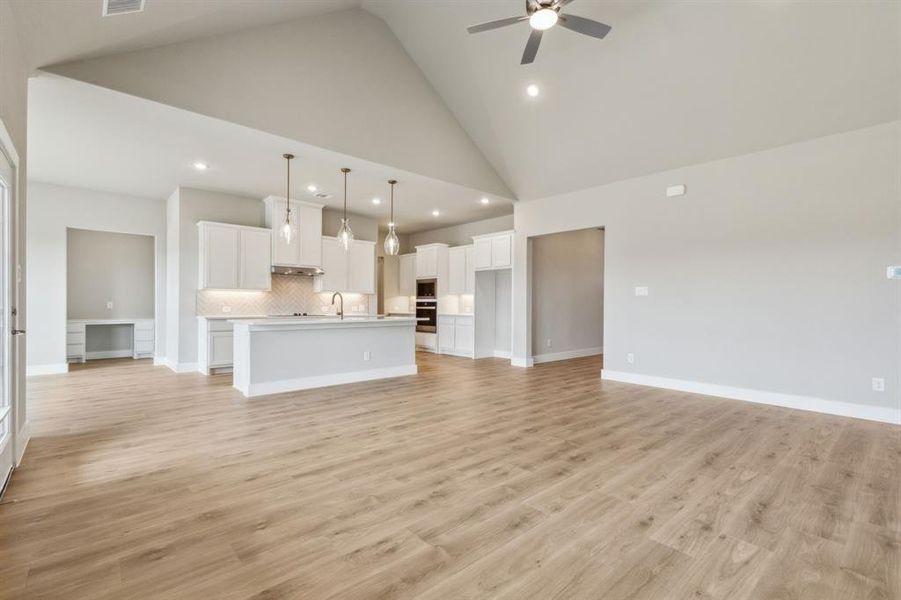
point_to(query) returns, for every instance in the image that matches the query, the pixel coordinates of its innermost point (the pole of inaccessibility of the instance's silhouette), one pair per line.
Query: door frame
(13, 384)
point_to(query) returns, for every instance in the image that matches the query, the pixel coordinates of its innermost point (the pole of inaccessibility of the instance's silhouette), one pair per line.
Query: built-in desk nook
(78, 331)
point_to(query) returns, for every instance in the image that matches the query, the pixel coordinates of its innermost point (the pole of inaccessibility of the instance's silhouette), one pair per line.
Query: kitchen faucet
(341, 307)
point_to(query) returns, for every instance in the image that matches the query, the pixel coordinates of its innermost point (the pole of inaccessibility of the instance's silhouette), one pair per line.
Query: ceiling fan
(542, 15)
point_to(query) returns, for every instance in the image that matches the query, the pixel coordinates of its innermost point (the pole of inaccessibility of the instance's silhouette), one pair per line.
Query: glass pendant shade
(345, 234)
(287, 232)
(392, 244)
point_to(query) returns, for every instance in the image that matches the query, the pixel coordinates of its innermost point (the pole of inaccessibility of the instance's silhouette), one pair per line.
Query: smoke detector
(112, 8)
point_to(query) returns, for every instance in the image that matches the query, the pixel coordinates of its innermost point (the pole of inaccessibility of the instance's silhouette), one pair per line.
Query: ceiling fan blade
(562, 3)
(495, 24)
(531, 47)
(586, 26)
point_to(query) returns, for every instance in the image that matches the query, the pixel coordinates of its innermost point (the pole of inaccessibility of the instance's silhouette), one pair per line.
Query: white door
(310, 244)
(482, 253)
(220, 253)
(255, 264)
(361, 268)
(456, 283)
(408, 275)
(334, 263)
(7, 190)
(426, 262)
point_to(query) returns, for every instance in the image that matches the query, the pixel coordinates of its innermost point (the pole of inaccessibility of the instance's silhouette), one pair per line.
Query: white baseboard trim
(181, 367)
(809, 403)
(51, 369)
(522, 362)
(317, 381)
(455, 353)
(159, 361)
(552, 356)
(22, 439)
(502, 354)
(101, 354)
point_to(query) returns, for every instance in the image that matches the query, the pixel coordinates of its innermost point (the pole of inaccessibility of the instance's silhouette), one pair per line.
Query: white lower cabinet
(456, 335)
(215, 344)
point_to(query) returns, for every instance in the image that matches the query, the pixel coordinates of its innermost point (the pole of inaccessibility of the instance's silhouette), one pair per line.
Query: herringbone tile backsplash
(289, 294)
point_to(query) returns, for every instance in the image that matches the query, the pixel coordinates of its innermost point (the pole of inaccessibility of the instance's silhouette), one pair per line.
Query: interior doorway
(567, 295)
(7, 412)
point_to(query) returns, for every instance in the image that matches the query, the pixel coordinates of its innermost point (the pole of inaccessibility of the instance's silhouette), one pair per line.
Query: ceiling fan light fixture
(543, 19)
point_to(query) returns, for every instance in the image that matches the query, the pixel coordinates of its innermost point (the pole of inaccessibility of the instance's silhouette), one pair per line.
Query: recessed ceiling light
(436, 213)
(312, 188)
(484, 200)
(376, 200)
(201, 166)
(532, 90)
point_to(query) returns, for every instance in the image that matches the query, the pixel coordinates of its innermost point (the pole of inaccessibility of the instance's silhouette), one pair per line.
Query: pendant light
(345, 235)
(392, 244)
(287, 230)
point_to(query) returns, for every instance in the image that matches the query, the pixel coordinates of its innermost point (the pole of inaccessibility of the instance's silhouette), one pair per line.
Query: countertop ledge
(323, 322)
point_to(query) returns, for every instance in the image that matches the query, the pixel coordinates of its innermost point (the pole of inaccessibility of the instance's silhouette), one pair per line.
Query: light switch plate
(878, 384)
(630, 358)
(109, 304)
(641, 291)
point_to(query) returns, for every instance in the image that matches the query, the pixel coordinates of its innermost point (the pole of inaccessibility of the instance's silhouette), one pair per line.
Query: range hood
(308, 271)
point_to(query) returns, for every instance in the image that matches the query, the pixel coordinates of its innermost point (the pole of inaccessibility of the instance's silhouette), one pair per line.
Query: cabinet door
(469, 274)
(446, 334)
(221, 348)
(220, 257)
(482, 253)
(310, 238)
(334, 263)
(407, 275)
(283, 253)
(464, 338)
(501, 251)
(426, 262)
(361, 268)
(255, 272)
(456, 274)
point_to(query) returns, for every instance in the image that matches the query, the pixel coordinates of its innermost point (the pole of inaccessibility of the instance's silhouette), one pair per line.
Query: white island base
(282, 355)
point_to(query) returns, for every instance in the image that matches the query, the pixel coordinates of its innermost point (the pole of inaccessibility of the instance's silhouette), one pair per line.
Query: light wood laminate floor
(471, 480)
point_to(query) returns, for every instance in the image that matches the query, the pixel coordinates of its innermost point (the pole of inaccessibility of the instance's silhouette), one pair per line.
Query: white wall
(458, 235)
(107, 267)
(339, 81)
(767, 277)
(55, 208)
(568, 293)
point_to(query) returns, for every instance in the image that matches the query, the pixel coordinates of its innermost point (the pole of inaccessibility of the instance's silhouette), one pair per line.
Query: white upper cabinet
(233, 257)
(361, 267)
(426, 262)
(457, 270)
(493, 251)
(254, 259)
(407, 275)
(351, 270)
(469, 274)
(305, 249)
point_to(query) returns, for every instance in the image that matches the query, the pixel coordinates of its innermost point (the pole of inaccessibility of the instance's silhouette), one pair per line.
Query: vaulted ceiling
(674, 83)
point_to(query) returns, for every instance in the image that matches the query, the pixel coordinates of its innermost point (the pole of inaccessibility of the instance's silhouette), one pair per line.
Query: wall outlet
(630, 358)
(366, 355)
(549, 342)
(641, 291)
(109, 303)
(226, 309)
(878, 384)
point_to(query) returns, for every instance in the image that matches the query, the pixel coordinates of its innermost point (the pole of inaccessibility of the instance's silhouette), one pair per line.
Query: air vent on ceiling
(121, 7)
(322, 195)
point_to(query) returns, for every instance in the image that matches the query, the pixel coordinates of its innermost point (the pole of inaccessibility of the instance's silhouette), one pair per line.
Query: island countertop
(322, 322)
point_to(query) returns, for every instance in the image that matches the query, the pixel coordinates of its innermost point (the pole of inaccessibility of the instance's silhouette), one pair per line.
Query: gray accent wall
(106, 267)
(568, 292)
(768, 275)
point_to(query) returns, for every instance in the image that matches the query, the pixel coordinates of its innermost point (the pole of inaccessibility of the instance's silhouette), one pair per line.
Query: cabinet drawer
(219, 325)
(445, 320)
(144, 325)
(467, 321)
(74, 327)
(73, 337)
(143, 347)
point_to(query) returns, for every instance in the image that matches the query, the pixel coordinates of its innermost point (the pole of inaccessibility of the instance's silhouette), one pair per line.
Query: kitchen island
(274, 355)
